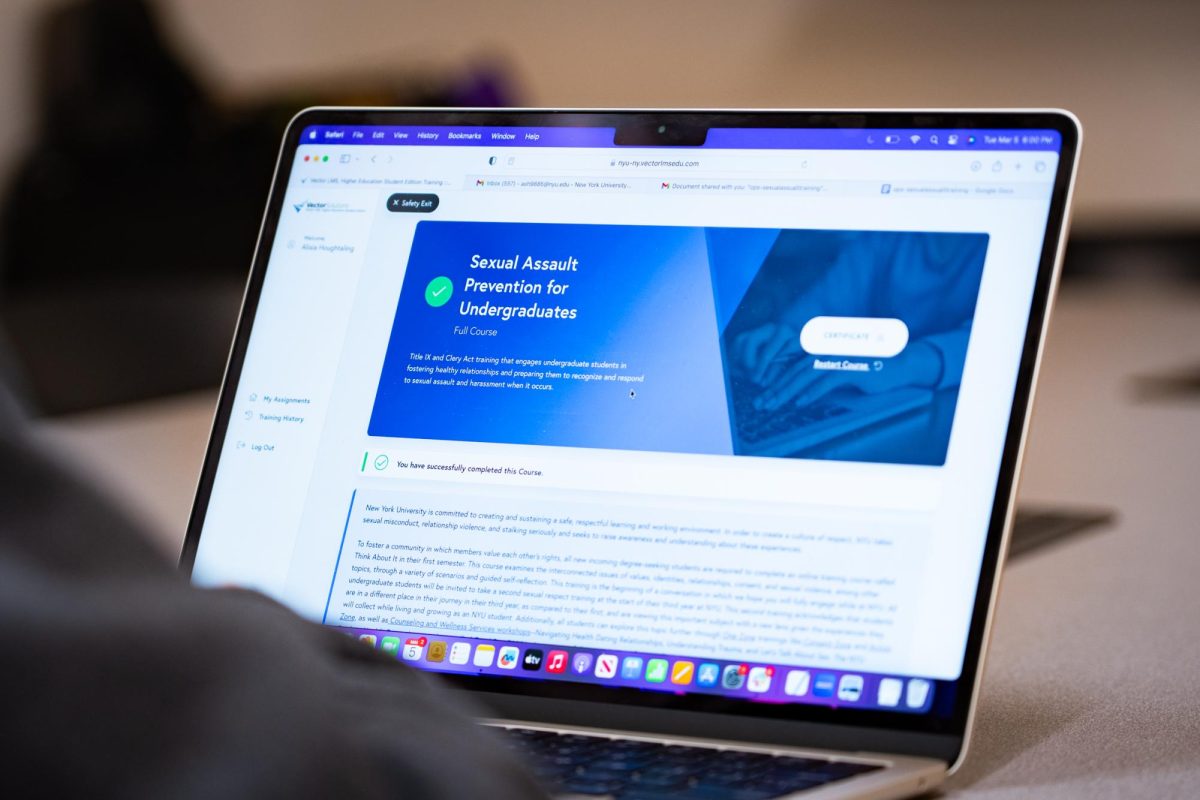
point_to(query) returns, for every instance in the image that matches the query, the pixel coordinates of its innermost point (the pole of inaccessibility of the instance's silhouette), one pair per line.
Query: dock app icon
(484, 654)
(734, 676)
(797, 683)
(508, 658)
(824, 684)
(606, 665)
(556, 662)
(414, 648)
(631, 668)
(760, 679)
(460, 653)
(682, 672)
(850, 688)
(533, 660)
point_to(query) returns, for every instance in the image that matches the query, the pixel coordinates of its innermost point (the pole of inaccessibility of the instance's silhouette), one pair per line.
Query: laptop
(686, 442)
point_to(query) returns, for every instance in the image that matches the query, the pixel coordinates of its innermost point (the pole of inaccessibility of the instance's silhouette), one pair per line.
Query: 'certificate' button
(872, 337)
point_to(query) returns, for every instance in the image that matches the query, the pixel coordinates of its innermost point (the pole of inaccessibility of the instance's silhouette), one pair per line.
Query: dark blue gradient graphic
(895, 410)
(677, 339)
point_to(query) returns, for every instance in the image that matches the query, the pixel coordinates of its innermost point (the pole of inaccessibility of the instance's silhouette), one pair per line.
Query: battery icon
(892, 139)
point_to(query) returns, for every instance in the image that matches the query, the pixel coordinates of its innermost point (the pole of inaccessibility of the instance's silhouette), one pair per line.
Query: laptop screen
(531, 403)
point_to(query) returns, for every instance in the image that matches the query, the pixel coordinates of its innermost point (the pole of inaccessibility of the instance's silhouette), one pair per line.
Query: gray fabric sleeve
(120, 679)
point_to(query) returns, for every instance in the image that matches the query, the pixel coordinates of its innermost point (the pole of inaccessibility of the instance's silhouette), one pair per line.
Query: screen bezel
(938, 735)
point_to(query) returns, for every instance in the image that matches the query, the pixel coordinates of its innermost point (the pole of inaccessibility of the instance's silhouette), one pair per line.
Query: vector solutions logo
(328, 208)
(311, 206)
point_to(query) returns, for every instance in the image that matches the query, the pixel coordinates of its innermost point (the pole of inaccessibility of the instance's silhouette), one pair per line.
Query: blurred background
(139, 135)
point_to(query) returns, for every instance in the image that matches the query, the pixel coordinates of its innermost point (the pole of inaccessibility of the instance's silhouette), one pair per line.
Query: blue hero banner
(777, 343)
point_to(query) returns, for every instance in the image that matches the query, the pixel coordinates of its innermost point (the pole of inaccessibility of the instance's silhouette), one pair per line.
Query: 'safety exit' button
(401, 203)
(871, 337)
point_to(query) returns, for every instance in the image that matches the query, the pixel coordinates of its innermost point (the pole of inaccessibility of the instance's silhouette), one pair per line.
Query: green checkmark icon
(381, 462)
(438, 292)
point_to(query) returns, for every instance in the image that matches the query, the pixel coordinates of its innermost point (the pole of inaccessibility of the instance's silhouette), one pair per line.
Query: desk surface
(1092, 685)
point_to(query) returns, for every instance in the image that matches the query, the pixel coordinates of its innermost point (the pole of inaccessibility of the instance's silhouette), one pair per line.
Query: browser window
(521, 402)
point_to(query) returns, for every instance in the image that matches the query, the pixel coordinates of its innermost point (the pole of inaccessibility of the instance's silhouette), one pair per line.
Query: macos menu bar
(935, 139)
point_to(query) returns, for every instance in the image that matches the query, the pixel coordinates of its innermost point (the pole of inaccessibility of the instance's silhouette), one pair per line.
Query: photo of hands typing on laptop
(886, 320)
(602, 406)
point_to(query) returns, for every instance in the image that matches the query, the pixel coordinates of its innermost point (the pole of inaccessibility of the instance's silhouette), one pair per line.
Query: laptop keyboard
(755, 425)
(575, 765)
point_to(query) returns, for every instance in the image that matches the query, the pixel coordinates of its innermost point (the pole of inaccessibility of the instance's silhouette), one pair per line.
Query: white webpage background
(275, 520)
